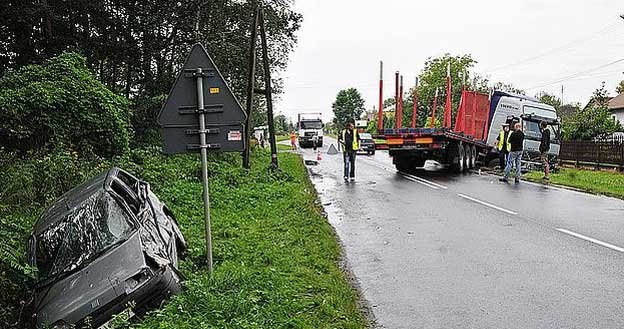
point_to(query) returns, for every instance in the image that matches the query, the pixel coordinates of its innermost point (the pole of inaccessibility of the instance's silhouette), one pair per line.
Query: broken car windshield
(84, 232)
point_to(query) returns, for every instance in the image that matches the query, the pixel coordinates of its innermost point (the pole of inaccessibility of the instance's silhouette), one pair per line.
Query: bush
(60, 104)
(144, 115)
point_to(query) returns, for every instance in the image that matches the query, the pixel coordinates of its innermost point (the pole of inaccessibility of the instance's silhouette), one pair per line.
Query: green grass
(275, 254)
(280, 138)
(598, 182)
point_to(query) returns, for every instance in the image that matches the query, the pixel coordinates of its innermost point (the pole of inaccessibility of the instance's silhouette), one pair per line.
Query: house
(616, 107)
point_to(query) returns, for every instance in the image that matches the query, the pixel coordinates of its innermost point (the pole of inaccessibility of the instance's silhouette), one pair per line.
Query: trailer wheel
(475, 156)
(467, 157)
(403, 164)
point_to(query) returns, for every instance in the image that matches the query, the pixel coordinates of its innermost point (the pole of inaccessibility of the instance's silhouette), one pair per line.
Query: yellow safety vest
(501, 138)
(356, 142)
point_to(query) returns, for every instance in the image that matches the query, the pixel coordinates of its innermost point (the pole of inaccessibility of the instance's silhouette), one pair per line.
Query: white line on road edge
(586, 238)
(426, 181)
(487, 204)
(411, 179)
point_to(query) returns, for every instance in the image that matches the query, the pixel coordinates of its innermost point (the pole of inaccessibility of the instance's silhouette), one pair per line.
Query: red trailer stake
(433, 110)
(396, 99)
(380, 115)
(415, 109)
(400, 114)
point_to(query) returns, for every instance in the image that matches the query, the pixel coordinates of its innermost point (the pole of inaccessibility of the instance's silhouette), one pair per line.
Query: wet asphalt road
(465, 251)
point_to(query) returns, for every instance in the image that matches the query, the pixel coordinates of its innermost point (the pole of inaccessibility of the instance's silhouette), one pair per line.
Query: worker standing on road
(350, 141)
(293, 140)
(516, 141)
(544, 148)
(503, 146)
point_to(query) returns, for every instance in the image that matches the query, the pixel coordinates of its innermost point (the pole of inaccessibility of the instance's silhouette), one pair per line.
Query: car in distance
(367, 143)
(105, 246)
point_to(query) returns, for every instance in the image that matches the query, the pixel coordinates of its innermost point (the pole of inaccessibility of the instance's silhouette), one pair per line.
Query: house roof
(617, 103)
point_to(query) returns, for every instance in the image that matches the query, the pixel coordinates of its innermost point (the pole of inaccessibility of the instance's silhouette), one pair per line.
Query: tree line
(135, 48)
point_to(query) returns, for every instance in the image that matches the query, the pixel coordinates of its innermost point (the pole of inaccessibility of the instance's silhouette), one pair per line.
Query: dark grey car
(105, 246)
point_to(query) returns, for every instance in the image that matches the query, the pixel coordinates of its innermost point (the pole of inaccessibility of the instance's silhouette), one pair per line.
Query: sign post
(201, 114)
(204, 165)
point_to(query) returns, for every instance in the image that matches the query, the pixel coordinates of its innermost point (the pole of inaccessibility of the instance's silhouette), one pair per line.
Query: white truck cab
(507, 107)
(310, 129)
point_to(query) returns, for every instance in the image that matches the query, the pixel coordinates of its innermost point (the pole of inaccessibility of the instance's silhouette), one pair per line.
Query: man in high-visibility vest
(503, 146)
(350, 141)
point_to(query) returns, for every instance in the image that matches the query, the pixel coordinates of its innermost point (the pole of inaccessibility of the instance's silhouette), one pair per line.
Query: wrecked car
(106, 246)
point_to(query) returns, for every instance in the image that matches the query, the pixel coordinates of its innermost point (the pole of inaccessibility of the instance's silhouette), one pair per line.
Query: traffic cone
(318, 156)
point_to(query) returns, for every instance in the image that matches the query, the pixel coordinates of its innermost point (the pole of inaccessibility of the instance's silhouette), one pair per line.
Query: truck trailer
(472, 139)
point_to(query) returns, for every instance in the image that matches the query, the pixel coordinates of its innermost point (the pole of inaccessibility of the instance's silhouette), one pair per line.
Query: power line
(571, 76)
(608, 29)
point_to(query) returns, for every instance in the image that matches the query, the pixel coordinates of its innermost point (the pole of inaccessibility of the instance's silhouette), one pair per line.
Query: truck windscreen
(311, 124)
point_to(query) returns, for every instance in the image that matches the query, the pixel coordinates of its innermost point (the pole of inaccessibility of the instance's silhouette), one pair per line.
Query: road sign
(223, 114)
(202, 114)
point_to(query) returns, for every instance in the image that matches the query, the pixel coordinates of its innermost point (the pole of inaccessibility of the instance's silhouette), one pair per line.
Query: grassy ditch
(276, 257)
(597, 182)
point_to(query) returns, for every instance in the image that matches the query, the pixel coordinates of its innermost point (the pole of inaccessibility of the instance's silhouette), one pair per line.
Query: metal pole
(396, 99)
(204, 164)
(415, 109)
(433, 110)
(268, 92)
(400, 119)
(250, 89)
(380, 115)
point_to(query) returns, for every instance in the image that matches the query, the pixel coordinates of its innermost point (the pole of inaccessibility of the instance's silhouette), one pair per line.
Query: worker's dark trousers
(349, 163)
(502, 159)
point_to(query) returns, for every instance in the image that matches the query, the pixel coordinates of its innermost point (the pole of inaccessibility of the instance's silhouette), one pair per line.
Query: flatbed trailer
(459, 148)
(433, 149)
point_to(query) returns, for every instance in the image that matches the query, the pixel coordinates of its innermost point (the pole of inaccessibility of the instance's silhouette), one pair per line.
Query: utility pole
(268, 91)
(250, 87)
(258, 20)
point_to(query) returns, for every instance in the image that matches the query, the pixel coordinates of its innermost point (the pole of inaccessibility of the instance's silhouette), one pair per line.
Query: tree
(508, 87)
(594, 121)
(349, 106)
(135, 48)
(281, 124)
(549, 99)
(620, 88)
(61, 105)
(434, 76)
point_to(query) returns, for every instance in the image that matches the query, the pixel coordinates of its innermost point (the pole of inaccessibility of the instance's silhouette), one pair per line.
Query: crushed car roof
(73, 198)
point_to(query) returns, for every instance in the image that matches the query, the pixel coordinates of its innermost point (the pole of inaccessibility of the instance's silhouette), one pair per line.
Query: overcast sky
(524, 42)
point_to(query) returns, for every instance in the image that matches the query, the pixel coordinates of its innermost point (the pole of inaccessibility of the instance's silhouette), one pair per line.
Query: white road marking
(487, 204)
(408, 177)
(417, 181)
(426, 181)
(586, 238)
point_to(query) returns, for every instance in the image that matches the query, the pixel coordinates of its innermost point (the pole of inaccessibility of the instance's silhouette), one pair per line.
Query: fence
(598, 154)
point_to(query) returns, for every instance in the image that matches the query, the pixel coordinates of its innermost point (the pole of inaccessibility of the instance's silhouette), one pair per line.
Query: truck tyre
(456, 151)
(403, 164)
(475, 156)
(467, 157)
